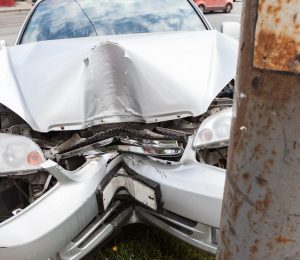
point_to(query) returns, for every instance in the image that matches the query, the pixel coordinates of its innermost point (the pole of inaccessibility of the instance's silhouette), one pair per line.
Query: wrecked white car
(112, 112)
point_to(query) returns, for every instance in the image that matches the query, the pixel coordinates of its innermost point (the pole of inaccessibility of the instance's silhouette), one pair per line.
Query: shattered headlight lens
(19, 153)
(214, 131)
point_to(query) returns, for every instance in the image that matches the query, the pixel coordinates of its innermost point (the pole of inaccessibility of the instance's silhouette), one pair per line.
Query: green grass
(139, 242)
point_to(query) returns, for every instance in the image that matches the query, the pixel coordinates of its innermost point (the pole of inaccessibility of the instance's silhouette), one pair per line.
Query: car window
(59, 19)
(140, 16)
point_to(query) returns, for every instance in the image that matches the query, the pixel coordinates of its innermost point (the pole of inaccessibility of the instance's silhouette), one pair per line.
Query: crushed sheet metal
(72, 84)
(278, 48)
(137, 189)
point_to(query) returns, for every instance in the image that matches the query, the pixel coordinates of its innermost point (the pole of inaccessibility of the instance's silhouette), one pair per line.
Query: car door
(219, 4)
(209, 4)
(212, 4)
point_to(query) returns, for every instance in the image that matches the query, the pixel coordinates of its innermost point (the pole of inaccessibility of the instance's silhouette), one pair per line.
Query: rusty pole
(261, 207)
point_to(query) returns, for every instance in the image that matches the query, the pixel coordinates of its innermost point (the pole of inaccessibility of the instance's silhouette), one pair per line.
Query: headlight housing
(214, 131)
(19, 153)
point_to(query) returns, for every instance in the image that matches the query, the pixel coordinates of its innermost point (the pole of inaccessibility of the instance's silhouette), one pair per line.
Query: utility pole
(261, 206)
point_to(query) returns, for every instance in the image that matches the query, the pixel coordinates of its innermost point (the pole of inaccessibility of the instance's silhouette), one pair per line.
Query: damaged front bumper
(88, 205)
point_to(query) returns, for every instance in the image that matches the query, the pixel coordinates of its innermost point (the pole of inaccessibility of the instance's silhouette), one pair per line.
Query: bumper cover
(49, 225)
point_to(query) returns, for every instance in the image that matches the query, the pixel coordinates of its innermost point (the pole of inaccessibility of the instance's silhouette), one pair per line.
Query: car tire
(228, 8)
(202, 8)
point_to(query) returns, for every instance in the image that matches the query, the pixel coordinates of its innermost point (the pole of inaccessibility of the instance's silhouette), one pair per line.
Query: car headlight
(19, 153)
(214, 131)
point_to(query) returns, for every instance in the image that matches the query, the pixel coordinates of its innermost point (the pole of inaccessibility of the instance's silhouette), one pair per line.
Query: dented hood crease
(76, 83)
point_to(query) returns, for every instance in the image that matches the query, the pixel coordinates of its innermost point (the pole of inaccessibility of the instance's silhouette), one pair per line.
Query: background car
(213, 5)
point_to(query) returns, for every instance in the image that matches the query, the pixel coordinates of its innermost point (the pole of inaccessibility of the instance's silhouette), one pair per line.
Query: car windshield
(60, 19)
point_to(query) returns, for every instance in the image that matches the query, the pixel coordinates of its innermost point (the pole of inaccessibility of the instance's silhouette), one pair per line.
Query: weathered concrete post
(261, 207)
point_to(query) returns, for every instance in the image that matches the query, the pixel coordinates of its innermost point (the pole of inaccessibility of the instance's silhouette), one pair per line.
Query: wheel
(202, 8)
(228, 8)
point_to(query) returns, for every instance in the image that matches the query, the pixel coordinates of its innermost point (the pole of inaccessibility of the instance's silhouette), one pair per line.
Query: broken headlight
(19, 153)
(214, 131)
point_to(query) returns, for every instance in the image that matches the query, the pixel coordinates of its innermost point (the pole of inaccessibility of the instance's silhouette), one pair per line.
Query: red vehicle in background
(213, 5)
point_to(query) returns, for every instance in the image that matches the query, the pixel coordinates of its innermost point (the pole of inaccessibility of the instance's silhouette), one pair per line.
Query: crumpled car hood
(76, 83)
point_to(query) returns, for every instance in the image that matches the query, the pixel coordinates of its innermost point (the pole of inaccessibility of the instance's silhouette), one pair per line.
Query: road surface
(10, 24)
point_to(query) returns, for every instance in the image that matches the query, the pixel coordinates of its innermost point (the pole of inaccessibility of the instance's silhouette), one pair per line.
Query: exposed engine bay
(70, 149)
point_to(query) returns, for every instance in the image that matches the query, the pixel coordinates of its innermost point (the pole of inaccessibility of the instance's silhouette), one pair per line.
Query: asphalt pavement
(11, 22)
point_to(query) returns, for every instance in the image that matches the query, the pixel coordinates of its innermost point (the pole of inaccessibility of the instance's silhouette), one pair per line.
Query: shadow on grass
(140, 242)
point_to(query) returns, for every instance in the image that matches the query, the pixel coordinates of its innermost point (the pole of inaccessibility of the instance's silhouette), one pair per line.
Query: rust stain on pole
(277, 37)
(283, 240)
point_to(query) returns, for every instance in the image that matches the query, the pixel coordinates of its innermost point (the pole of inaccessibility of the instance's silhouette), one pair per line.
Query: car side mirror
(231, 29)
